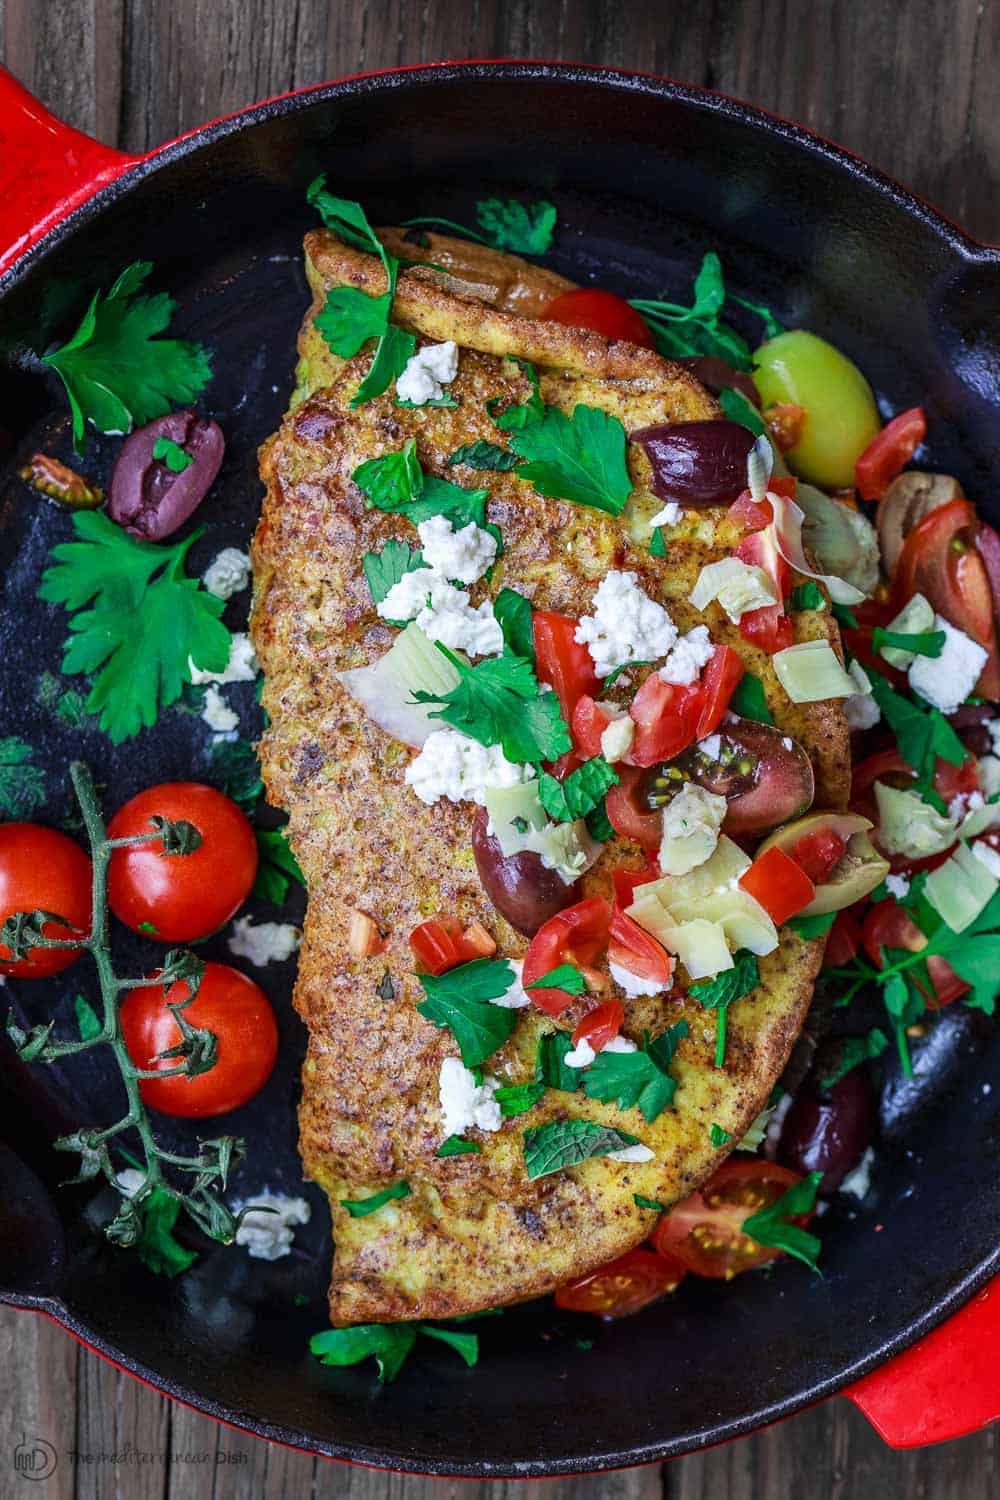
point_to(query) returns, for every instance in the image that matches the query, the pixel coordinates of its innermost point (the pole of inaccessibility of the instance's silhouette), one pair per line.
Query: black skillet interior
(646, 176)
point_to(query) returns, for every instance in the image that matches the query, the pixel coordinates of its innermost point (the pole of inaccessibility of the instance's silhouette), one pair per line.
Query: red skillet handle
(945, 1386)
(46, 169)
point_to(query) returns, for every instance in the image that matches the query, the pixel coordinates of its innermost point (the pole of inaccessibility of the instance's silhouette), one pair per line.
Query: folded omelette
(474, 1230)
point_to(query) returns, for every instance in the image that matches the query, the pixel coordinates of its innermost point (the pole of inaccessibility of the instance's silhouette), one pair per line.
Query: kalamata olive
(828, 1130)
(697, 463)
(715, 375)
(766, 777)
(519, 885)
(148, 497)
(969, 723)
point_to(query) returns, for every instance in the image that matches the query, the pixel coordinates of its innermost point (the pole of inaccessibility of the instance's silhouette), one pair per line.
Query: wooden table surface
(910, 84)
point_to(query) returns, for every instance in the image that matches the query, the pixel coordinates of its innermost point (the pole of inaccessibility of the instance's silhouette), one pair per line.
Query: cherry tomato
(844, 938)
(603, 312)
(561, 661)
(703, 1232)
(625, 882)
(588, 724)
(43, 870)
(768, 627)
(181, 897)
(719, 681)
(888, 925)
(940, 560)
(576, 936)
(666, 719)
(889, 453)
(228, 1004)
(818, 854)
(600, 1025)
(632, 948)
(625, 1286)
(780, 885)
(627, 811)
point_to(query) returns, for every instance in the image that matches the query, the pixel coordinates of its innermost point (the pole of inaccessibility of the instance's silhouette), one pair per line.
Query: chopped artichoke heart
(514, 812)
(743, 920)
(700, 945)
(910, 826)
(811, 672)
(691, 823)
(566, 848)
(738, 586)
(914, 618)
(385, 689)
(722, 869)
(959, 889)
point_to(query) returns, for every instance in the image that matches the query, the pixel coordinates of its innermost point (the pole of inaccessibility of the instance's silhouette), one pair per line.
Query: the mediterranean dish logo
(34, 1458)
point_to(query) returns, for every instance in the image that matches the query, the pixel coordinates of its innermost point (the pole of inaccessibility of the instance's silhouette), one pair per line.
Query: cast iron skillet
(647, 175)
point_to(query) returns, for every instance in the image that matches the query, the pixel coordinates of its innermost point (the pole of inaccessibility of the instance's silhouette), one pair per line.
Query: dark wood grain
(912, 85)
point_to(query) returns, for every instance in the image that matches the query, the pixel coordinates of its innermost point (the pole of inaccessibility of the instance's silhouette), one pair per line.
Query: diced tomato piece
(600, 1025)
(561, 661)
(627, 811)
(768, 628)
(760, 550)
(625, 1286)
(888, 925)
(603, 312)
(784, 423)
(705, 1231)
(437, 945)
(575, 936)
(626, 881)
(666, 718)
(719, 680)
(890, 452)
(588, 724)
(476, 942)
(750, 514)
(634, 949)
(844, 938)
(777, 882)
(818, 853)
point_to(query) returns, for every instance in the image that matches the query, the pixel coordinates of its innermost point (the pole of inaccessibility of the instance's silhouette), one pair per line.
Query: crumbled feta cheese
(130, 1180)
(269, 1235)
(619, 1044)
(228, 573)
(858, 1181)
(688, 656)
(263, 942)
(427, 371)
(947, 680)
(691, 823)
(711, 747)
(410, 594)
(241, 666)
(463, 556)
(987, 856)
(515, 998)
(616, 741)
(465, 1103)
(668, 516)
(443, 613)
(737, 585)
(581, 1056)
(626, 625)
(964, 802)
(218, 715)
(638, 1152)
(632, 984)
(897, 885)
(454, 766)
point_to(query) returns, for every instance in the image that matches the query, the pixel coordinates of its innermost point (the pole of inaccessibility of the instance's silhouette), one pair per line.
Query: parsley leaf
(384, 569)
(565, 977)
(581, 792)
(525, 229)
(360, 1208)
(497, 702)
(235, 763)
(923, 736)
(396, 483)
(458, 1001)
(683, 332)
(350, 318)
(844, 616)
(276, 865)
(579, 458)
(850, 1052)
(814, 926)
(345, 217)
(465, 1345)
(920, 643)
(518, 1098)
(749, 701)
(566, 1143)
(483, 455)
(147, 619)
(392, 353)
(116, 373)
(809, 595)
(738, 409)
(456, 1145)
(172, 454)
(599, 824)
(22, 785)
(550, 1063)
(388, 1343)
(526, 413)
(156, 1246)
(68, 705)
(637, 1078)
(719, 1137)
(512, 612)
(718, 994)
(770, 1226)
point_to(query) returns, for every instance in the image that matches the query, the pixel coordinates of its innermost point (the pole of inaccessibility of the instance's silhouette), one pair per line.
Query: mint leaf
(809, 595)
(497, 702)
(384, 569)
(525, 229)
(518, 1098)
(770, 1226)
(579, 458)
(566, 1143)
(581, 792)
(920, 642)
(749, 701)
(22, 785)
(483, 455)
(512, 612)
(388, 1343)
(637, 1079)
(565, 977)
(456, 1145)
(815, 926)
(360, 1208)
(719, 994)
(458, 1001)
(276, 866)
(550, 1063)
(172, 454)
(599, 824)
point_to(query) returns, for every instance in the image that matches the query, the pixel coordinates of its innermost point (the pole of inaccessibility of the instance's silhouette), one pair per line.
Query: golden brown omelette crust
(474, 1232)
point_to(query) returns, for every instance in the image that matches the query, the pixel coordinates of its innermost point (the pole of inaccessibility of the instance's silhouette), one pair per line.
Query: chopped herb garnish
(483, 455)
(923, 736)
(86, 1019)
(599, 824)
(719, 1137)
(550, 1063)
(396, 483)
(116, 372)
(566, 1143)
(512, 613)
(637, 1079)
(235, 763)
(498, 702)
(385, 989)
(360, 1208)
(770, 1226)
(657, 546)
(384, 569)
(148, 928)
(525, 414)
(67, 704)
(651, 1203)
(172, 454)
(579, 458)
(447, 402)
(22, 785)
(518, 1098)
(525, 229)
(459, 1001)
(749, 701)
(844, 616)
(919, 643)
(457, 1145)
(851, 1052)
(581, 792)
(565, 977)
(684, 332)
(738, 409)
(388, 1344)
(814, 926)
(808, 595)
(276, 866)
(718, 994)
(147, 620)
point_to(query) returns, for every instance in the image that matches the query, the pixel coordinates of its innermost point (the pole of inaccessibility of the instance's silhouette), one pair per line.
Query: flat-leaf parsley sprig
(196, 1051)
(685, 332)
(504, 224)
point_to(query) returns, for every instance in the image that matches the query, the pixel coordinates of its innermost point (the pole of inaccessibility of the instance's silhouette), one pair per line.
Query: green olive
(861, 867)
(840, 413)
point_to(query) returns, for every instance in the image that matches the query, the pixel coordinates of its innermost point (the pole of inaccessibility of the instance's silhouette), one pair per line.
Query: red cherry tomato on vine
(43, 870)
(629, 1283)
(602, 312)
(705, 1231)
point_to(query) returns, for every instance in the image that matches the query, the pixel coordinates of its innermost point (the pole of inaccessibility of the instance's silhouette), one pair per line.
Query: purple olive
(148, 497)
(698, 463)
(715, 375)
(829, 1130)
(519, 885)
(766, 778)
(969, 723)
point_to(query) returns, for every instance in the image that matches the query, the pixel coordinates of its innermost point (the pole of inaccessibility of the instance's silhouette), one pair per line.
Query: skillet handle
(47, 169)
(946, 1386)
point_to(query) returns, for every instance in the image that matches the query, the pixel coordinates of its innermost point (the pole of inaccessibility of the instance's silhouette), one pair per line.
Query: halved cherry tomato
(588, 724)
(625, 1286)
(784, 424)
(940, 560)
(703, 1232)
(780, 885)
(632, 948)
(889, 452)
(888, 925)
(589, 307)
(440, 944)
(666, 719)
(42, 869)
(561, 661)
(719, 680)
(600, 1025)
(844, 938)
(818, 853)
(768, 627)
(627, 811)
(575, 936)
(625, 882)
